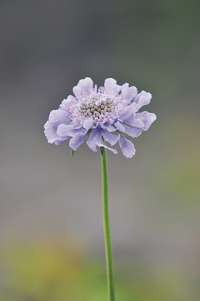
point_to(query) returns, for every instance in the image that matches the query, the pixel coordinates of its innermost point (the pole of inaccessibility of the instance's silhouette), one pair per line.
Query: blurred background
(51, 231)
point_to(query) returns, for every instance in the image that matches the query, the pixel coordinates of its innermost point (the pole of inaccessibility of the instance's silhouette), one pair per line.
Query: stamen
(98, 106)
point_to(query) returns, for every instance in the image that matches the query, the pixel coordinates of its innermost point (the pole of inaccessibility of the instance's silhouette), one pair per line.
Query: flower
(101, 115)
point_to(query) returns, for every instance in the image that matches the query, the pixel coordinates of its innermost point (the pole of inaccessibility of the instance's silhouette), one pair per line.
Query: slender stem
(108, 245)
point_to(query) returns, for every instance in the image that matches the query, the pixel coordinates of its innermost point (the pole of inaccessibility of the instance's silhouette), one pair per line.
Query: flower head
(101, 115)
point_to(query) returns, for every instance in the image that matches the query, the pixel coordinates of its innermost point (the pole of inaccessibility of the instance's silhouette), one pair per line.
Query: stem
(108, 245)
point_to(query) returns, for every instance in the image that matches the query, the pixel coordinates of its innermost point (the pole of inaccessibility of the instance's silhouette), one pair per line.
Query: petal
(51, 134)
(65, 104)
(83, 85)
(112, 139)
(114, 151)
(138, 123)
(127, 147)
(128, 115)
(56, 117)
(142, 99)
(77, 140)
(119, 126)
(69, 130)
(129, 93)
(64, 130)
(77, 91)
(88, 123)
(110, 84)
(108, 126)
(133, 132)
(146, 118)
(95, 139)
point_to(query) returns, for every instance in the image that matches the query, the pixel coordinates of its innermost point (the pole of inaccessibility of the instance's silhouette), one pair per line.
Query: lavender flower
(100, 115)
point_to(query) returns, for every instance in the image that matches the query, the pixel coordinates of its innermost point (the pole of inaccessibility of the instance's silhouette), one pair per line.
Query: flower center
(97, 107)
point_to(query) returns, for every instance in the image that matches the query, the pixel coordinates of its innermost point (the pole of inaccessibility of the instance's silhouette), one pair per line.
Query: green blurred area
(57, 272)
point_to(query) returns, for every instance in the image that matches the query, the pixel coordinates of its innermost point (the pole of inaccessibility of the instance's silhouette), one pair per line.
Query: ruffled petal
(127, 147)
(128, 115)
(142, 99)
(95, 139)
(108, 126)
(84, 85)
(138, 123)
(110, 84)
(88, 123)
(77, 140)
(146, 118)
(110, 138)
(65, 130)
(56, 117)
(119, 126)
(51, 133)
(129, 93)
(65, 104)
(133, 132)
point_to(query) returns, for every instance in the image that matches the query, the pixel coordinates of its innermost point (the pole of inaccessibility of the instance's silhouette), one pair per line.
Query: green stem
(108, 245)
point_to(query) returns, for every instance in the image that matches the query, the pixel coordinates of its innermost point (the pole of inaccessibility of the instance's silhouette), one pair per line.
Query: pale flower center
(97, 107)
